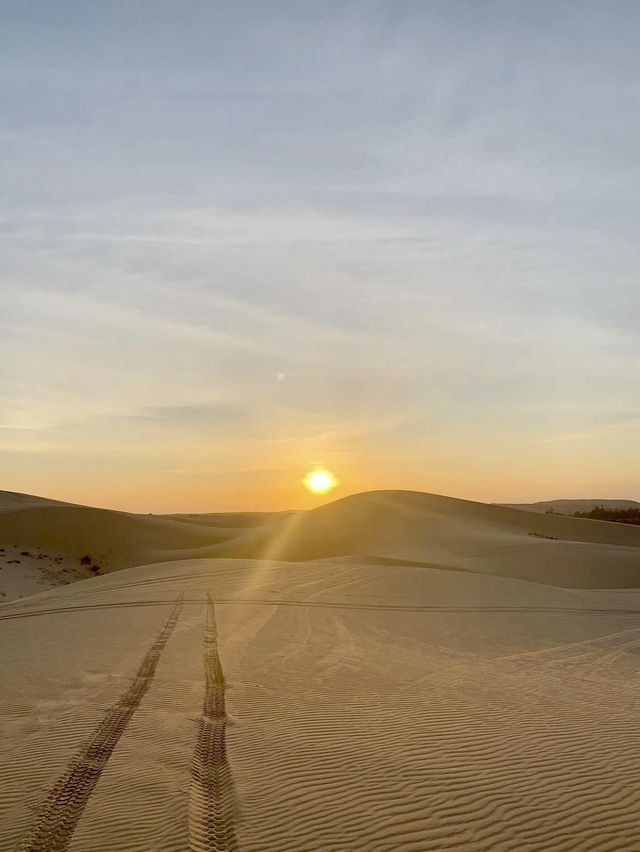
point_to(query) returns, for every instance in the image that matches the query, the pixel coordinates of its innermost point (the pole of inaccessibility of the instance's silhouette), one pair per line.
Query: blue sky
(423, 214)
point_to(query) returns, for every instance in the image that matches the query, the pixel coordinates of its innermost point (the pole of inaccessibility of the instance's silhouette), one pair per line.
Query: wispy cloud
(239, 237)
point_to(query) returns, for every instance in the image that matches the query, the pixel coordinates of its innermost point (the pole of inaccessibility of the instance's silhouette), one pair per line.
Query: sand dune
(112, 540)
(402, 525)
(10, 500)
(325, 705)
(382, 673)
(27, 570)
(117, 539)
(453, 533)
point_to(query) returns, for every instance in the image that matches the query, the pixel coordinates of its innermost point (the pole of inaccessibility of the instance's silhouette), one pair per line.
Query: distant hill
(568, 507)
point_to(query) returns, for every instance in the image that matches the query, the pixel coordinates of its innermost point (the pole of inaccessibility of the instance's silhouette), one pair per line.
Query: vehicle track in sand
(68, 797)
(212, 796)
(319, 604)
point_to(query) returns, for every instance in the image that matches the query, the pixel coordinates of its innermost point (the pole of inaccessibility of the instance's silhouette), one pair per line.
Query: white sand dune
(338, 703)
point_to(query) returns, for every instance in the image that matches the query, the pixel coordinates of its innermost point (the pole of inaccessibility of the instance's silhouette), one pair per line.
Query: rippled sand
(327, 705)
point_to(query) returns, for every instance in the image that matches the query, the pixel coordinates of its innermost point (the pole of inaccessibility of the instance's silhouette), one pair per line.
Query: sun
(319, 481)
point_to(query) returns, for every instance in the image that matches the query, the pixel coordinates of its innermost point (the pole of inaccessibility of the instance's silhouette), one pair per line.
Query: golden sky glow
(394, 240)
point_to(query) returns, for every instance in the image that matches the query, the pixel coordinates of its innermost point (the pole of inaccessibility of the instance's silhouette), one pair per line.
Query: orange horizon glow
(280, 488)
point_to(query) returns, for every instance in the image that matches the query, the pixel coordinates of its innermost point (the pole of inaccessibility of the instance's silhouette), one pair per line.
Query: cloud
(423, 216)
(206, 416)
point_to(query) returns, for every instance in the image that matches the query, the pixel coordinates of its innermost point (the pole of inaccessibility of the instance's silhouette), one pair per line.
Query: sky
(397, 239)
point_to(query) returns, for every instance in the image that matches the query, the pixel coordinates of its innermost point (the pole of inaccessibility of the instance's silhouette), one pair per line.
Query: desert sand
(394, 670)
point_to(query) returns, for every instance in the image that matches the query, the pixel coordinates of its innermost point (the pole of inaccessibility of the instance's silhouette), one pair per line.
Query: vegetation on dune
(617, 515)
(87, 559)
(620, 516)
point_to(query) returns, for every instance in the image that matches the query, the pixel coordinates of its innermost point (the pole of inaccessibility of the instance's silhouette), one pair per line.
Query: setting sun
(320, 481)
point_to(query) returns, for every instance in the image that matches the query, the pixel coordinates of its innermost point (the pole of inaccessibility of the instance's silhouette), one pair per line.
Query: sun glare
(319, 481)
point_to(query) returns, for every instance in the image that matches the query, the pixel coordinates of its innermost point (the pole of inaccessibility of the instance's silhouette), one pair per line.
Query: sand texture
(397, 695)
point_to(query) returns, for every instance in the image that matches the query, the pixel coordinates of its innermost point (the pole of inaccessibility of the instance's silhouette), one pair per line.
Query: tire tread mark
(26, 613)
(212, 795)
(68, 797)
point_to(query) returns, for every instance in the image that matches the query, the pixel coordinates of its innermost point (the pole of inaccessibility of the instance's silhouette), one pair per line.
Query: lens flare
(319, 481)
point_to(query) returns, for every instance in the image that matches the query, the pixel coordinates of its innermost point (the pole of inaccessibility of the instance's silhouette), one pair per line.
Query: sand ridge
(453, 533)
(402, 525)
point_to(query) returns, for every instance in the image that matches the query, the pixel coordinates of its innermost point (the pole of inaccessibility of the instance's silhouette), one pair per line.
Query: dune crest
(462, 534)
(399, 525)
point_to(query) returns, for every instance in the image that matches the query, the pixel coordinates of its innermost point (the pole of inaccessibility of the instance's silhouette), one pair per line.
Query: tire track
(212, 797)
(68, 797)
(241, 601)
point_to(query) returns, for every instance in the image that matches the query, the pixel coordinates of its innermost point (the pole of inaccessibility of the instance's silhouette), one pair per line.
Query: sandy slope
(405, 525)
(409, 679)
(27, 570)
(327, 705)
(10, 500)
(65, 533)
(571, 552)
